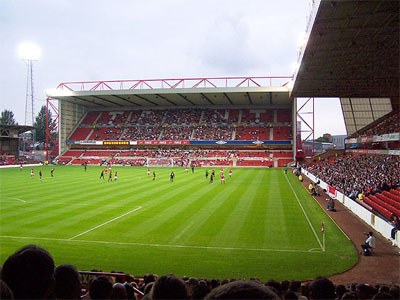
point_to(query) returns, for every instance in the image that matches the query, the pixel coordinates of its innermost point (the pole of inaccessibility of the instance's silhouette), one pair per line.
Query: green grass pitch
(260, 223)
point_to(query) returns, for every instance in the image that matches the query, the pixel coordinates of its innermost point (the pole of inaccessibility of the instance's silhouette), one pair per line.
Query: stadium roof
(352, 51)
(152, 93)
(6, 129)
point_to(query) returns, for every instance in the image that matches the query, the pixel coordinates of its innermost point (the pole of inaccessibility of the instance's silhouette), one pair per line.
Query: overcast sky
(83, 40)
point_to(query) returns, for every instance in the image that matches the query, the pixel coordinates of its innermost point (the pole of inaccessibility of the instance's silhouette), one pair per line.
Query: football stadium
(204, 187)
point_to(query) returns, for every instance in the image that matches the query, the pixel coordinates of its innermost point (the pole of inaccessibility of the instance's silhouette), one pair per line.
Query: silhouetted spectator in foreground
(349, 295)
(119, 291)
(169, 287)
(130, 292)
(5, 291)
(100, 288)
(242, 290)
(340, 289)
(29, 273)
(382, 295)
(322, 288)
(67, 282)
(200, 291)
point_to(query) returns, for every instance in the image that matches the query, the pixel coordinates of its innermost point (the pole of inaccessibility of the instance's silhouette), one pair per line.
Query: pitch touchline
(13, 198)
(304, 212)
(105, 223)
(165, 245)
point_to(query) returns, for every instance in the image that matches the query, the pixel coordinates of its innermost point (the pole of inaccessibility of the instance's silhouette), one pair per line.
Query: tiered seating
(134, 116)
(283, 116)
(176, 133)
(73, 153)
(99, 153)
(202, 124)
(152, 117)
(233, 116)
(183, 116)
(282, 133)
(384, 204)
(105, 118)
(390, 198)
(380, 209)
(252, 133)
(120, 118)
(81, 133)
(248, 117)
(142, 133)
(106, 133)
(267, 116)
(90, 118)
(212, 132)
(254, 163)
(212, 116)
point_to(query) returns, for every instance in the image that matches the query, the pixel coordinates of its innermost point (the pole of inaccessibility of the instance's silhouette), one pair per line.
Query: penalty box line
(315, 250)
(105, 223)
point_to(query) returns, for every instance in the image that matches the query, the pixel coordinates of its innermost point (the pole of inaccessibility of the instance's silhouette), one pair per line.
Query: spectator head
(148, 288)
(340, 290)
(191, 283)
(29, 273)
(382, 295)
(289, 295)
(349, 295)
(365, 291)
(295, 286)
(100, 288)
(119, 291)
(200, 291)
(67, 282)
(130, 292)
(149, 278)
(169, 287)
(276, 286)
(394, 290)
(5, 291)
(242, 290)
(322, 288)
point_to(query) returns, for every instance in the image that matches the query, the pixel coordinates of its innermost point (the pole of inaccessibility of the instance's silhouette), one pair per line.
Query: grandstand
(244, 122)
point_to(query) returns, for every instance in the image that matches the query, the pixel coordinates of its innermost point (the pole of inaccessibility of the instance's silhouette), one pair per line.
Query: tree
(40, 124)
(7, 118)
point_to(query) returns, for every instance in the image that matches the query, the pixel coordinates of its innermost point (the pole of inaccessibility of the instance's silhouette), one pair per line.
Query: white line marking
(304, 212)
(165, 245)
(13, 199)
(105, 223)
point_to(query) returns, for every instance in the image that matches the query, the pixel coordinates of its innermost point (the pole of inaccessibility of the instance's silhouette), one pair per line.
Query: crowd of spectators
(142, 133)
(212, 132)
(355, 174)
(31, 273)
(178, 157)
(178, 124)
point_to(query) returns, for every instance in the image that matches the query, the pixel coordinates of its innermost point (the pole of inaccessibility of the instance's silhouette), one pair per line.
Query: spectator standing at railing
(396, 226)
